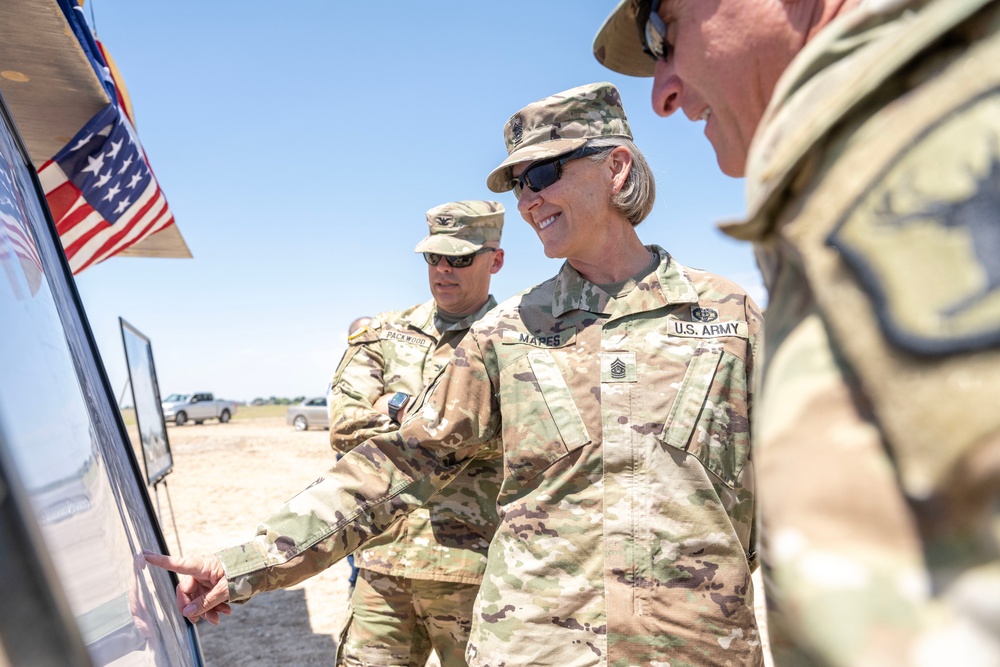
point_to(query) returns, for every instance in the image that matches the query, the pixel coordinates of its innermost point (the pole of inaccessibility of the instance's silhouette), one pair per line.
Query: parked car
(181, 408)
(309, 413)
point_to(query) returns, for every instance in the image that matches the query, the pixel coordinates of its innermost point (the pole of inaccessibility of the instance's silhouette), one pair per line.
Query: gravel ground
(226, 478)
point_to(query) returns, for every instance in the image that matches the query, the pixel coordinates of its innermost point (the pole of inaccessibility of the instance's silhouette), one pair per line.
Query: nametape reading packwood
(702, 330)
(564, 337)
(406, 338)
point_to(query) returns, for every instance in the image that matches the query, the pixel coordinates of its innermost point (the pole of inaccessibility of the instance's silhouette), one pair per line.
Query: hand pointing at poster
(203, 589)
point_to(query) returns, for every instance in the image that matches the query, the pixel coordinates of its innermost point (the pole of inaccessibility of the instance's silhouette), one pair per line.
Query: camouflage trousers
(396, 622)
(857, 572)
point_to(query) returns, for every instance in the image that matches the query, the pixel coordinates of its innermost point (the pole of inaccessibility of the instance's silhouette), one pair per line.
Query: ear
(620, 163)
(497, 261)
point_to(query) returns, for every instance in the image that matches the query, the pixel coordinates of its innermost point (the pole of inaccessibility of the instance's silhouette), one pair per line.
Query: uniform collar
(665, 286)
(423, 318)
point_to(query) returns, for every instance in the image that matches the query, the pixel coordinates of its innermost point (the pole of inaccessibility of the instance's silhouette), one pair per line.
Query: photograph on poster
(146, 398)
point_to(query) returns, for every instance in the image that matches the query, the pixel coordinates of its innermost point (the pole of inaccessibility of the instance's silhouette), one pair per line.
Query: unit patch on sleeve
(924, 239)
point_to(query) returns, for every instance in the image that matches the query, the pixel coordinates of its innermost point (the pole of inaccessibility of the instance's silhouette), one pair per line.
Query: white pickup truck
(181, 408)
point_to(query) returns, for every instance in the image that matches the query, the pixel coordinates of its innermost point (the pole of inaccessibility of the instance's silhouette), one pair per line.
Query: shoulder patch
(924, 239)
(363, 335)
(561, 339)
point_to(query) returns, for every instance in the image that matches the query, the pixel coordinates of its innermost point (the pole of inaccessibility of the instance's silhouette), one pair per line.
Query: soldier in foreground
(874, 202)
(420, 578)
(618, 394)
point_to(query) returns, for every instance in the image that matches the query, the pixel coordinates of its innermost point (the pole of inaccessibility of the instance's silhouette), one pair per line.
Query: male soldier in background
(420, 578)
(357, 324)
(873, 186)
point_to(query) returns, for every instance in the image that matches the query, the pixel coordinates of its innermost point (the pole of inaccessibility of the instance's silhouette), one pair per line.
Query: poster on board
(146, 398)
(75, 509)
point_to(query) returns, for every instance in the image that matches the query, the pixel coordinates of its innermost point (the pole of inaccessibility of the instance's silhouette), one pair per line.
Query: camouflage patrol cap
(461, 227)
(559, 124)
(618, 44)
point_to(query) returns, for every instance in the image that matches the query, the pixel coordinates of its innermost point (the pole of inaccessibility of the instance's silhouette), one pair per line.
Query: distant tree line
(275, 400)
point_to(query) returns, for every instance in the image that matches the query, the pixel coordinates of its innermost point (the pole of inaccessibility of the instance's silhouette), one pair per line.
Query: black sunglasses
(653, 31)
(541, 174)
(455, 262)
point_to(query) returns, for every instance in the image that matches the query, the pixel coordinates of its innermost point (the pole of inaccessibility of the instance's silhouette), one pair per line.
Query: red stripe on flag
(109, 245)
(98, 226)
(114, 246)
(157, 223)
(74, 218)
(61, 200)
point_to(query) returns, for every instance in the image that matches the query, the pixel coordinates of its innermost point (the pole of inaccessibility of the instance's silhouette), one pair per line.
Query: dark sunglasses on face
(541, 174)
(455, 262)
(653, 31)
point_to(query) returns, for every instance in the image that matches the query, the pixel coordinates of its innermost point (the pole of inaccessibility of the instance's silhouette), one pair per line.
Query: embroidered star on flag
(101, 192)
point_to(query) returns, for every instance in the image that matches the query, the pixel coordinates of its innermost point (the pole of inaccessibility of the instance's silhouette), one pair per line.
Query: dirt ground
(226, 478)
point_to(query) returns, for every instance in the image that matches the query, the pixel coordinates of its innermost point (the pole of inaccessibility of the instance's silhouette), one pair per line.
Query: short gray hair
(635, 199)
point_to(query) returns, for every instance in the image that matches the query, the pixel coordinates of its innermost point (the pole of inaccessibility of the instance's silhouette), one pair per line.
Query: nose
(529, 201)
(666, 88)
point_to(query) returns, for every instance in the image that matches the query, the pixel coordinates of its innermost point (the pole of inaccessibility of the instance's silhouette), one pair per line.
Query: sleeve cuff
(246, 570)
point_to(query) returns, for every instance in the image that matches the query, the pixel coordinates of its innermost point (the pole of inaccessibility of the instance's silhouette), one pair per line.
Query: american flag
(15, 241)
(101, 192)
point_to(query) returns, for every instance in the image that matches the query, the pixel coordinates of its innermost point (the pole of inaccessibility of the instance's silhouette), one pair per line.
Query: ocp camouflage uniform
(626, 508)
(420, 578)
(874, 191)
(444, 541)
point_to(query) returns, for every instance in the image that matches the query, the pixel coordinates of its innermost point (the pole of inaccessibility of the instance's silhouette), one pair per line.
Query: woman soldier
(621, 392)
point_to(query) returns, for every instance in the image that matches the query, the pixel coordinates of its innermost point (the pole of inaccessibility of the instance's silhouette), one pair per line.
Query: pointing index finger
(169, 563)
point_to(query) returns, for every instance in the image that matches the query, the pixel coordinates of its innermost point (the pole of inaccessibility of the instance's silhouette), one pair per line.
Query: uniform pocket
(709, 416)
(541, 422)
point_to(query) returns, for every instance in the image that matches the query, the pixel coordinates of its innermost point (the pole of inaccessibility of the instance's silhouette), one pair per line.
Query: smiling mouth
(547, 221)
(704, 114)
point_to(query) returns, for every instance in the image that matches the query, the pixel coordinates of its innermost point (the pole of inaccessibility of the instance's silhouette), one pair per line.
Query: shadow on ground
(260, 627)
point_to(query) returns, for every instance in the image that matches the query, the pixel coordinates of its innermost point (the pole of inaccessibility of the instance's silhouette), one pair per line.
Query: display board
(148, 409)
(75, 514)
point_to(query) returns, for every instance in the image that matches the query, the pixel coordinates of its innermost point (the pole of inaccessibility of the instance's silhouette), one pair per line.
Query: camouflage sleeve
(755, 319)
(374, 485)
(357, 384)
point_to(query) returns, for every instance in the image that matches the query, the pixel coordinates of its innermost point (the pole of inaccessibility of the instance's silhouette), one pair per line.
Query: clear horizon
(299, 148)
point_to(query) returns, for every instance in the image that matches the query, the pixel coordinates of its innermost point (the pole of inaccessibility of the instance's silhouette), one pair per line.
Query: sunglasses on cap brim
(652, 31)
(455, 261)
(541, 174)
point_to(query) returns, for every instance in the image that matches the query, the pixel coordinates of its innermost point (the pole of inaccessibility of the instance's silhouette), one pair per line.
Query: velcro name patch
(405, 338)
(561, 339)
(708, 330)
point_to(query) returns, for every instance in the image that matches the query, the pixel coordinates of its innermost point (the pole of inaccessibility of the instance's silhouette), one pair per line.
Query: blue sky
(299, 145)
